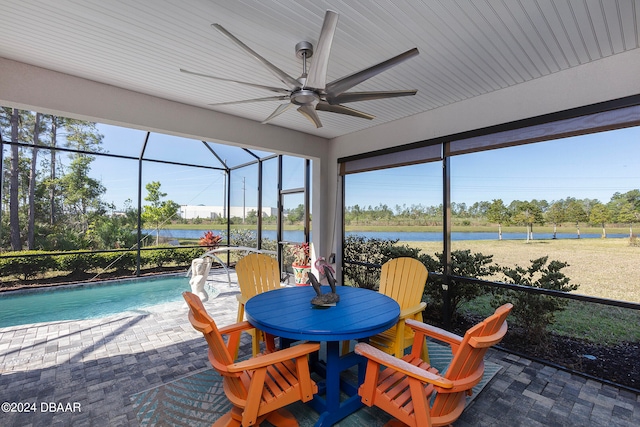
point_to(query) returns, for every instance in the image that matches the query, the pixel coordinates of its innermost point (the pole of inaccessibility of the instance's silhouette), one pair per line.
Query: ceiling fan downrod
(304, 50)
(304, 96)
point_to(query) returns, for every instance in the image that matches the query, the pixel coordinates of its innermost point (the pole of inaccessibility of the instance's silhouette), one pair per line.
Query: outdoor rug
(199, 399)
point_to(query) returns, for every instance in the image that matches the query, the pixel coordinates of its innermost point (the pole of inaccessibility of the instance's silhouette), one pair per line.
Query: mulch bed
(619, 363)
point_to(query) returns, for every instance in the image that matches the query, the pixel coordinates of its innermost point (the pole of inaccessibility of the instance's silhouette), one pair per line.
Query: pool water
(88, 301)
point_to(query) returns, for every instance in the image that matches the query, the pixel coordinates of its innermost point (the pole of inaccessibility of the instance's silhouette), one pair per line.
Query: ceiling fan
(310, 92)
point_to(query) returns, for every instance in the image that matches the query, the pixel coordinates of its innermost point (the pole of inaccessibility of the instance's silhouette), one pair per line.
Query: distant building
(213, 212)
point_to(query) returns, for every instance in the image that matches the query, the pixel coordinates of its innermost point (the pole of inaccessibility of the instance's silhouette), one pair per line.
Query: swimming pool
(90, 300)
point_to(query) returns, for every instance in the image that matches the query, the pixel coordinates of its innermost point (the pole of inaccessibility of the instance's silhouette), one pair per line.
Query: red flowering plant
(210, 240)
(300, 253)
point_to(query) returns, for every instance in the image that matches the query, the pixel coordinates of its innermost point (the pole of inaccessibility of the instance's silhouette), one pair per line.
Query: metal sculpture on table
(328, 299)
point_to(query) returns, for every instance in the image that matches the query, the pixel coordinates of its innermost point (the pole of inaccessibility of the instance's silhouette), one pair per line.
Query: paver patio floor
(82, 373)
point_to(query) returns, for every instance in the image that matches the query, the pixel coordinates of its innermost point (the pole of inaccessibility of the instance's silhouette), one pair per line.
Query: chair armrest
(400, 365)
(435, 332)
(276, 357)
(236, 327)
(408, 312)
(489, 340)
(233, 332)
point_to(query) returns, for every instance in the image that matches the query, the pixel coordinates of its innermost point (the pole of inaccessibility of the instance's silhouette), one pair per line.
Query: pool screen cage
(254, 190)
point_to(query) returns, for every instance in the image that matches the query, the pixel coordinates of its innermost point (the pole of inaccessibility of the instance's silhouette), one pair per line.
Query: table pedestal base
(331, 407)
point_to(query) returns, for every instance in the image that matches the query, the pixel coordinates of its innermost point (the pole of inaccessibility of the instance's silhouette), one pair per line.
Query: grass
(614, 324)
(597, 323)
(604, 268)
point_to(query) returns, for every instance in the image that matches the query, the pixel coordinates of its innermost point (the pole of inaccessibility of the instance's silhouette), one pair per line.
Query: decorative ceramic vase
(301, 274)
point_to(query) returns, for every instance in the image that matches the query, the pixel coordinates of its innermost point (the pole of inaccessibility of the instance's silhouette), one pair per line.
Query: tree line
(622, 208)
(53, 203)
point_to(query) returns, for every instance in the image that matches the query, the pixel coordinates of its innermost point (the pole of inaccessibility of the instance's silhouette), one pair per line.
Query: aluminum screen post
(144, 147)
(446, 237)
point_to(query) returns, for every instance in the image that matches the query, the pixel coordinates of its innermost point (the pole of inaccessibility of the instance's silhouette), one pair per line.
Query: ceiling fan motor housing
(304, 97)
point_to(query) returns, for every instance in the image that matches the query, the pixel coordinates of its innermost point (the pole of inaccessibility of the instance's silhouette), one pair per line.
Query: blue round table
(360, 313)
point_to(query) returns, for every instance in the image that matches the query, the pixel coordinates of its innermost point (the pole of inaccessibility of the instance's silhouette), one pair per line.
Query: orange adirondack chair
(260, 387)
(406, 387)
(257, 273)
(402, 279)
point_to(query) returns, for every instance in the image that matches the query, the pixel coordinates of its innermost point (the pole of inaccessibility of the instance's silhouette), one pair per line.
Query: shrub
(123, 260)
(184, 256)
(376, 252)
(158, 257)
(77, 263)
(269, 244)
(27, 266)
(463, 263)
(242, 237)
(535, 312)
(363, 250)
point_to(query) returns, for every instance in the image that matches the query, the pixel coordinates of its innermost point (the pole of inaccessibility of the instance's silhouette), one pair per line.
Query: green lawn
(597, 323)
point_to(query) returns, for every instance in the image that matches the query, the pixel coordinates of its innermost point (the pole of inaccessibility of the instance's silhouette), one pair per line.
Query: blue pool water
(88, 301)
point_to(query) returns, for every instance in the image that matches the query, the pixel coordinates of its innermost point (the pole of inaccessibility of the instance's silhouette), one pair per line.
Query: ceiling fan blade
(317, 77)
(281, 109)
(368, 96)
(343, 84)
(309, 111)
(285, 78)
(269, 98)
(271, 88)
(341, 109)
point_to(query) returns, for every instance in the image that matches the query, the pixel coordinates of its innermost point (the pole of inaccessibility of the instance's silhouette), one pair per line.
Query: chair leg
(256, 337)
(240, 315)
(282, 418)
(346, 347)
(425, 353)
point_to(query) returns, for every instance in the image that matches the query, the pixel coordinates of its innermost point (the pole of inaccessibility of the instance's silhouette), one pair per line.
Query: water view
(407, 236)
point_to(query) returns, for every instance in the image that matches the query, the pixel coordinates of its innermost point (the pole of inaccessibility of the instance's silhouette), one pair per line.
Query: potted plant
(301, 263)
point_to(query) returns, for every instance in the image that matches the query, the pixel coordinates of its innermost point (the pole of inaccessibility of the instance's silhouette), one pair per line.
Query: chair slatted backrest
(257, 273)
(467, 366)
(219, 354)
(403, 279)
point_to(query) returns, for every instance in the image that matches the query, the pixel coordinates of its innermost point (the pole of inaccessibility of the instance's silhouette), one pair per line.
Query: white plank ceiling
(467, 47)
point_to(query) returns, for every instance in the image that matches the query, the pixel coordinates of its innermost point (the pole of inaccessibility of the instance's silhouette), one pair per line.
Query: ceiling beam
(33, 88)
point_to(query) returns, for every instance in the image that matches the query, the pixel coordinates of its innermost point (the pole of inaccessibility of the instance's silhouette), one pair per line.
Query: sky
(592, 166)
(188, 185)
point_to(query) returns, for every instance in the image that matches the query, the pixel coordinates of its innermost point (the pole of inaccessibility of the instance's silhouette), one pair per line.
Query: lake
(412, 236)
